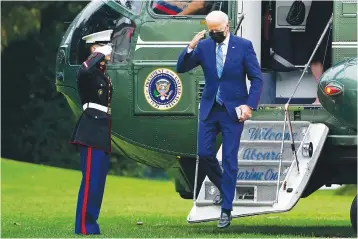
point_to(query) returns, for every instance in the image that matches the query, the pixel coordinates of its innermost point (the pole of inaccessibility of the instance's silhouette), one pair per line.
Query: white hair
(217, 16)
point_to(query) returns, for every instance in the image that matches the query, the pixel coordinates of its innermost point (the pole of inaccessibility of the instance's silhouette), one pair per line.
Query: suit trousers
(94, 166)
(217, 121)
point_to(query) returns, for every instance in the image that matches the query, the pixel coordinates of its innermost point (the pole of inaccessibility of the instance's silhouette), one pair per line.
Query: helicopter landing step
(260, 188)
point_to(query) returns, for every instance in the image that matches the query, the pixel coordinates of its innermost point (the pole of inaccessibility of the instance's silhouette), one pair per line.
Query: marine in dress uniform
(92, 136)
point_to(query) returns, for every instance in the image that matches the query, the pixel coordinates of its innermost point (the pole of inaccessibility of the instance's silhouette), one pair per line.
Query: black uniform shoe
(225, 219)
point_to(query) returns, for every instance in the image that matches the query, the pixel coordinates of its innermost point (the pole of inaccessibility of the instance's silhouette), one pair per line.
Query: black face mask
(217, 36)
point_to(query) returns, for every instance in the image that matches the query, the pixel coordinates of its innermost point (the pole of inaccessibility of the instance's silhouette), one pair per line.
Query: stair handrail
(287, 115)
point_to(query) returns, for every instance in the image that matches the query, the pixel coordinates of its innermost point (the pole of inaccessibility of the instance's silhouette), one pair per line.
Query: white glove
(105, 50)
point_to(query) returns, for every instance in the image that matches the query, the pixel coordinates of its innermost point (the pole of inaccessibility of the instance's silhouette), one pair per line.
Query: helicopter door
(249, 17)
(162, 37)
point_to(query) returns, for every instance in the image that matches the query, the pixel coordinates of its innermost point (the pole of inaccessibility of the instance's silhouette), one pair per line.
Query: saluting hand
(196, 39)
(245, 112)
(105, 50)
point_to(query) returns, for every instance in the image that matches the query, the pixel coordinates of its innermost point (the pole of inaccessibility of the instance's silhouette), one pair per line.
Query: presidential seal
(163, 89)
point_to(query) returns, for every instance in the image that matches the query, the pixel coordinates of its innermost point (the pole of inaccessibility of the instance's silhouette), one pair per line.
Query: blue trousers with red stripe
(94, 166)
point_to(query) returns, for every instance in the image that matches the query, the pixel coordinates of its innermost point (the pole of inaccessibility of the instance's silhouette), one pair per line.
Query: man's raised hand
(196, 39)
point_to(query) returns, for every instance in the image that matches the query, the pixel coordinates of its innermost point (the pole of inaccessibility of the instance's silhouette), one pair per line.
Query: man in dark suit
(226, 60)
(92, 135)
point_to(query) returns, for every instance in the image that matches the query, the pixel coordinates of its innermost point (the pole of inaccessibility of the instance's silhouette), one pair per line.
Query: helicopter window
(96, 18)
(187, 7)
(68, 34)
(133, 6)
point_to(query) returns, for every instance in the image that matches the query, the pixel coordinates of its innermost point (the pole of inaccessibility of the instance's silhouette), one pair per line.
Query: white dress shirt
(224, 47)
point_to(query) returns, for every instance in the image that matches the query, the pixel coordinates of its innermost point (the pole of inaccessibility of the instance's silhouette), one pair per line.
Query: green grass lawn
(40, 201)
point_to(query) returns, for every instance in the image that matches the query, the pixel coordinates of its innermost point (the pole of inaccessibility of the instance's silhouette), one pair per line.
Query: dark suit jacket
(240, 61)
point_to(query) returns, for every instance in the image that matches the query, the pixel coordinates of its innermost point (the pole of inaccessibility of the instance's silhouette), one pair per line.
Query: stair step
(257, 183)
(272, 130)
(240, 202)
(261, 170)
(248, 190)
(261, 173)
(247, 162)
(263, 150)
(264, 163)
(266, 143)
(249, 183)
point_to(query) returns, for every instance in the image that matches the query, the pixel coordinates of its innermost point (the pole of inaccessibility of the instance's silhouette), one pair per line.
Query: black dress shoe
(225, 219)
(218, 199)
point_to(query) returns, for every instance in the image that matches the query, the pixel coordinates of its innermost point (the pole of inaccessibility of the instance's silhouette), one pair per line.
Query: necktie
(219, 67)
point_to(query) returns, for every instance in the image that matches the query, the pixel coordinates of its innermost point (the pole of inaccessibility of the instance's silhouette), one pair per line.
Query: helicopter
(155, 109)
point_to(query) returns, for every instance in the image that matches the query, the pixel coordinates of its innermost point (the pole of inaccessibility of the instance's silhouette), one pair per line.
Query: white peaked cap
(103, 36)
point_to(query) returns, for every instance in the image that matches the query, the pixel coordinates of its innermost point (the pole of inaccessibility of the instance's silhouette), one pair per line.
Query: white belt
(97, 106)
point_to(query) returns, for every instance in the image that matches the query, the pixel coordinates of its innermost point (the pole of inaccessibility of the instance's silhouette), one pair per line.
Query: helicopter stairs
(261, 187)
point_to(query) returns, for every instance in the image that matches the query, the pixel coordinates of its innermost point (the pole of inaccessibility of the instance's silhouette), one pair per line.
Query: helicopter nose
(337, 91)
(331, 83)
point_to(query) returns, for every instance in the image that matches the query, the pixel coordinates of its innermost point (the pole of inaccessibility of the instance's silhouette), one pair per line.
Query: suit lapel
(212, 56)
(228, 54)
